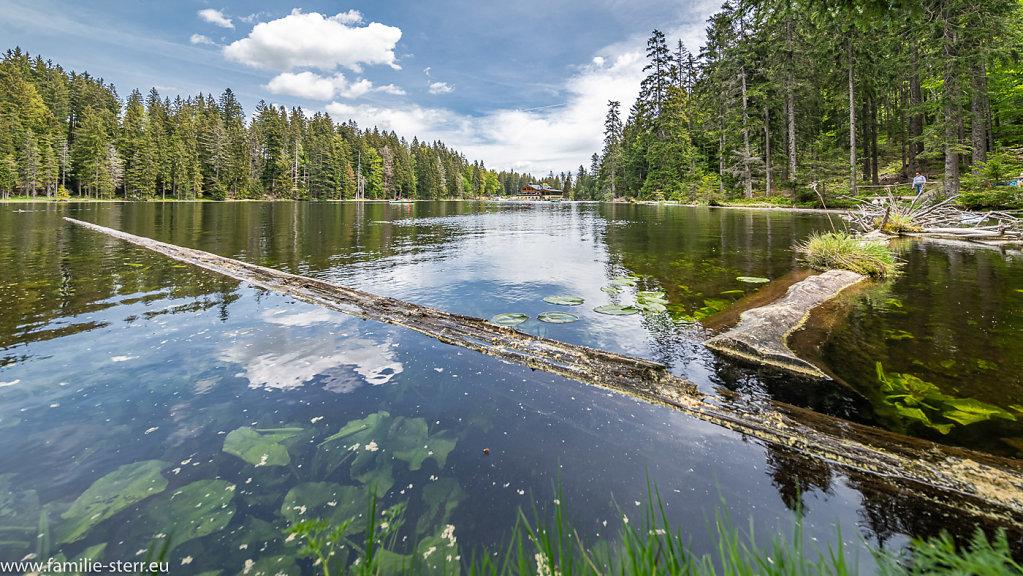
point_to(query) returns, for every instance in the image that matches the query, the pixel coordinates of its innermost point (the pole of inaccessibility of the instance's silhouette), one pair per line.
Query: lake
(140, 397)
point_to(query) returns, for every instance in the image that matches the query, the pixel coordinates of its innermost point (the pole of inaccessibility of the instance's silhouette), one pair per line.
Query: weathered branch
(984, 487)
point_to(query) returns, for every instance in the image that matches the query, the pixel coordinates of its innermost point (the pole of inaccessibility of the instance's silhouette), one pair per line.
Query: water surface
(117, 361)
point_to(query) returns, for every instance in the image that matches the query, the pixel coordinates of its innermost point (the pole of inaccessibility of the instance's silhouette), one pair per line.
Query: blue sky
(521, 85)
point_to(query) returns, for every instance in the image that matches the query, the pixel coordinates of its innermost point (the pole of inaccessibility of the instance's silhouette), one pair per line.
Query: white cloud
(216, 17)
(314, 41)
(315, 87)
(200, 39)
(391, 89)
(440, 88)
(539, 140)
(557, 137)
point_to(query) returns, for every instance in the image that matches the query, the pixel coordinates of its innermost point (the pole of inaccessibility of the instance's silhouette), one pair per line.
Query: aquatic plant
(557, 317)
(753, 279)
(616, 310)
(564, 300)
(509, 319)
(840, 250)
(647, 544)
(924, 403)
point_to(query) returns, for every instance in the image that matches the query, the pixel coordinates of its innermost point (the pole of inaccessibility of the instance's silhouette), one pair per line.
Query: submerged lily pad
(409, 441)
(656, 294)
(564, 300)
(509, 319)
(616, 310)
(441, 499)
(196, 510)
(611, 289)
(753, 279)
(326, 501)
(109, 495)
(557, 317)
(260, 447)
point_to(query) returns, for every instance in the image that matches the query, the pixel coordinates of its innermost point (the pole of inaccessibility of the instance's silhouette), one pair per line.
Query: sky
(520, 85)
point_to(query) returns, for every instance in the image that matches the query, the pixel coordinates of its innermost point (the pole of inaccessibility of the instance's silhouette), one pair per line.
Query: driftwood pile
(941, 219)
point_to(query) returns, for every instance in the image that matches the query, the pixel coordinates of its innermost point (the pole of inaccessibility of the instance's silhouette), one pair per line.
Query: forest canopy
(787, 93)
(65, 133)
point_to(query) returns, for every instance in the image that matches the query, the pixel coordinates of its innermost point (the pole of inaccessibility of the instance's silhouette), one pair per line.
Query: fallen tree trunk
(761, 334)
(959, 482)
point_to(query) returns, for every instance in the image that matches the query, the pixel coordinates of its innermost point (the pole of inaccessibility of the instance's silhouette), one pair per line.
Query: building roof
(541, 187)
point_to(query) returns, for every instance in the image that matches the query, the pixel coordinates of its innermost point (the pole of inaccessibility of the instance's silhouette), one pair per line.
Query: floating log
(961, 484)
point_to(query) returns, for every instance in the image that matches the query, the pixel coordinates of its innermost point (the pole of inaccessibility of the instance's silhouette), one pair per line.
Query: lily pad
(648, 306)
(109, 495)
(509, 319)
(753, 279)
(623, 281)
(196, 510)
(616, 310)
(564, 300)
(733, 292)
(611, 289)
(260, 447)
(557, 317)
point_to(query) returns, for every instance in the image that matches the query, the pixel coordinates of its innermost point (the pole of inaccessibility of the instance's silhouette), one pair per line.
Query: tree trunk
(874, 179)
(951, 107)
(767, 150)
(791, 107)
(721, 163)
(916, 119)
(978, 122)
(852, 121)
(865, 134)
(746, 173)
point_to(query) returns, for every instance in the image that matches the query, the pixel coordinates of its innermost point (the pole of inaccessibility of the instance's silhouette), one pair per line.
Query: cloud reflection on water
(300, 355)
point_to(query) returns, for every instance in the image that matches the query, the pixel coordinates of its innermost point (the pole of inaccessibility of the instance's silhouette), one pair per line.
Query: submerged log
(761, 334)
(959, 483)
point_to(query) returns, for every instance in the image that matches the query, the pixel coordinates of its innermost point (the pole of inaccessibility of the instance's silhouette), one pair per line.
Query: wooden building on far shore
(540, 192)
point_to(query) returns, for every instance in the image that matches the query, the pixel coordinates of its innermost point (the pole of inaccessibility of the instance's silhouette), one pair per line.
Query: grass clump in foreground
(841, 250)
(646, 546)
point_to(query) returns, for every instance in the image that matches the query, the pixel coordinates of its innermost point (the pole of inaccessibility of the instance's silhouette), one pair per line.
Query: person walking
(919, 182)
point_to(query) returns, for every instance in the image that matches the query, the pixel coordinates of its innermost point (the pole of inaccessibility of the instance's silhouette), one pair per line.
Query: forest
(64, 133)
(787, 99)
(850, 95)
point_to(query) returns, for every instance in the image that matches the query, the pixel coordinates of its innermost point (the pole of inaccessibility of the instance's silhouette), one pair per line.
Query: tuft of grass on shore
(841, 250)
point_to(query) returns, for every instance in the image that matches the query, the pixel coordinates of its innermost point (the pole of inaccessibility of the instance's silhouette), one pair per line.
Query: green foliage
(924, 403)
(58, 127)
(260, 447)
(1001, 197)
(840, 250)
(647, 544)
(110, 494)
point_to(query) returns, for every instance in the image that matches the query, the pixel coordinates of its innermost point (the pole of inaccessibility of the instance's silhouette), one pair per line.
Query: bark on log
(955, 482)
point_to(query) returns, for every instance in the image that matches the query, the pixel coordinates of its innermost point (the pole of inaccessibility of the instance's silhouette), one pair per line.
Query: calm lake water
(192, 405)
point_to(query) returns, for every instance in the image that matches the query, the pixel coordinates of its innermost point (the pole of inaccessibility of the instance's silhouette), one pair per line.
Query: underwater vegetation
(921, 402)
